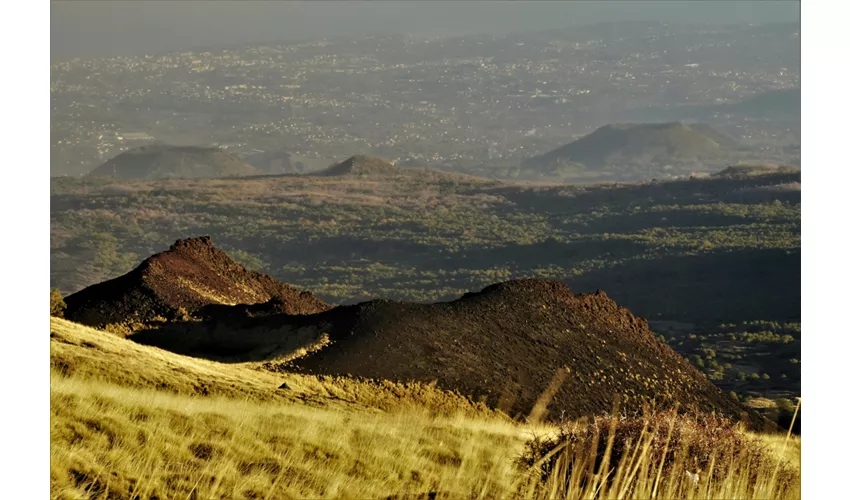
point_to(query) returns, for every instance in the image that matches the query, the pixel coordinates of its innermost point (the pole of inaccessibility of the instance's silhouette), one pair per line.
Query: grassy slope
(146, 442)
(131, 420)
(90, 355)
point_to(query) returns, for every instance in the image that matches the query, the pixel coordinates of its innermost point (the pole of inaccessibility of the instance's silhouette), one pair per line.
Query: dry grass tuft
(658, 455)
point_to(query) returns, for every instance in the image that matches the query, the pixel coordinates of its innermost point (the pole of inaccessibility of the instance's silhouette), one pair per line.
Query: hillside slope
(158, 161)
(505, 346)
(509, 342)
(191, 278)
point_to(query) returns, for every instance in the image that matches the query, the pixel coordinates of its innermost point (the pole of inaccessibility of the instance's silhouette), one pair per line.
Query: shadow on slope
(85, 355)
(234, 338)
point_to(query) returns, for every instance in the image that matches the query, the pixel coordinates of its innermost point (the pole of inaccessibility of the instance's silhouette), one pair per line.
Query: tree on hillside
(57, 303)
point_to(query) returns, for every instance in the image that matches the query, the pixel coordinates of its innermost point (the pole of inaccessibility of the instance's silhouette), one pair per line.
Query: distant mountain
(361, 165)
(652, 143)
(160, 161)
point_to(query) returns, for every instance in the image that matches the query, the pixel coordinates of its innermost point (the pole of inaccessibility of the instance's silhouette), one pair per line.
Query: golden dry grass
(131, 421)
(786, 448)
(659, 455)
(106, 438)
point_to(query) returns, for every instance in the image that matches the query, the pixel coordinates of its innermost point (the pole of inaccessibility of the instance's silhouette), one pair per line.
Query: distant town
(458, 101)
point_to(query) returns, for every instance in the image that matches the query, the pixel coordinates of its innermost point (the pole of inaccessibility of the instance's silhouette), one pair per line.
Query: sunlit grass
(659, 455)
(132, 441)
(127, 421)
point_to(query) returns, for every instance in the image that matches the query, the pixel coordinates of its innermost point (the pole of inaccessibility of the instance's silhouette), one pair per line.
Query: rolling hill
(648, 143)
(159, 161)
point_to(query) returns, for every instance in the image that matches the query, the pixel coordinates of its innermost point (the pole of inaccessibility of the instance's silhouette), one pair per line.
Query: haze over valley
(483, 104)
(538, 250)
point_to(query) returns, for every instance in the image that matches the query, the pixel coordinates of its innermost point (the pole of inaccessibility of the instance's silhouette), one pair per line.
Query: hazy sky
(116, 27)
